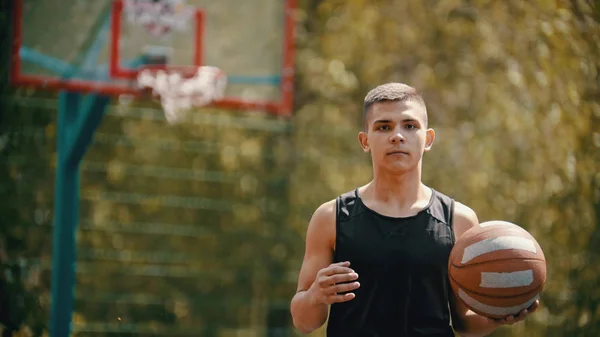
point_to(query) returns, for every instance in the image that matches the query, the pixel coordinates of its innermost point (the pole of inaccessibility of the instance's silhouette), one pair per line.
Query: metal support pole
(77, 122)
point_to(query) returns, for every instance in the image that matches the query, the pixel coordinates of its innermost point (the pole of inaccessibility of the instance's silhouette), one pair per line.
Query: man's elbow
(460, 328)
(464, 331)
(461, 332)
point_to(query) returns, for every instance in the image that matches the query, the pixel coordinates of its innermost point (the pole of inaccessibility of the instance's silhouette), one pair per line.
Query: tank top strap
(345, 205)
(442, 209)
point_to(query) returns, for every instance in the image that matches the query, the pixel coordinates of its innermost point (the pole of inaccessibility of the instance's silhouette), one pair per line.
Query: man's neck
(403, 190)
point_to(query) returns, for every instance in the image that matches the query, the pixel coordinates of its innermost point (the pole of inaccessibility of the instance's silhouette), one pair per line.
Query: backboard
(99, 46)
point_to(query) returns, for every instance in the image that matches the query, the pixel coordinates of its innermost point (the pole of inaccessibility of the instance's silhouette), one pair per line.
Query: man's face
(396, 135)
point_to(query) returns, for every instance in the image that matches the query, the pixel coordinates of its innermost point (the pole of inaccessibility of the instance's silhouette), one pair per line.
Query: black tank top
(402, 266)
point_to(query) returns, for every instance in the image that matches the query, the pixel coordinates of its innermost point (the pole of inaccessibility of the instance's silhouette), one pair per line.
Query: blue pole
(66, 206)
(77, 122)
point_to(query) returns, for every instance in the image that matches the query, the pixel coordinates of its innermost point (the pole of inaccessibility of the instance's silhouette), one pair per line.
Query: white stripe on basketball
(492, 310)
(495, 244)
(498, 223)
(522, 278)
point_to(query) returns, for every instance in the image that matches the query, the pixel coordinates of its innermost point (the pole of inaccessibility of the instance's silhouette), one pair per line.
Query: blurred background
(198, 229)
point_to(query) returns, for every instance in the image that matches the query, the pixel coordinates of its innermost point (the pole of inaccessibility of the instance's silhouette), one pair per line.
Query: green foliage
(22, 188)
(512, 92)
(198, 228)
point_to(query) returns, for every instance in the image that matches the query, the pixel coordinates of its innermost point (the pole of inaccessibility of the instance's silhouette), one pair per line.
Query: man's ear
(363, 139)
(429, 138)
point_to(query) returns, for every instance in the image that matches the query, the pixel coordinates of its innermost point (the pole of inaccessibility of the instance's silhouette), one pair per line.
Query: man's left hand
(512, 319)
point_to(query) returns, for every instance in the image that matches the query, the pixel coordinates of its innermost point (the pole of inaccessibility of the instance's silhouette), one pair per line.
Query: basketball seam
(506, 259)
(536, 290)
(482, 235)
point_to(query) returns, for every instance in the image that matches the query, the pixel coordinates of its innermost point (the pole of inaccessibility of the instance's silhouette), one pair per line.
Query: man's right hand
(331, 281)
(321, 283)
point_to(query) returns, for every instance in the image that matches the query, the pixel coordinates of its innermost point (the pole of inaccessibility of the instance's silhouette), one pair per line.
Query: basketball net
(181, 90)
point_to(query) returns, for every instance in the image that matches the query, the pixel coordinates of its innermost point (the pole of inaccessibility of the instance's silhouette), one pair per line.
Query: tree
(512, 91)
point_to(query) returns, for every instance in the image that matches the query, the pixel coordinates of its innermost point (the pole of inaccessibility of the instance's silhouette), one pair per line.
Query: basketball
(497, 269)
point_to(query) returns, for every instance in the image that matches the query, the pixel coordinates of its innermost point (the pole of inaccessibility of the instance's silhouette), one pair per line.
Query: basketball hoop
(182, 88)
(159, 16)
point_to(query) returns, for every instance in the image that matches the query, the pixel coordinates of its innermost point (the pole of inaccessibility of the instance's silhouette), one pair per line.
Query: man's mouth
(398, 153)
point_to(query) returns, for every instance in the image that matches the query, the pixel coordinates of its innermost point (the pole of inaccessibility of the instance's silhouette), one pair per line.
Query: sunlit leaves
(512, 93)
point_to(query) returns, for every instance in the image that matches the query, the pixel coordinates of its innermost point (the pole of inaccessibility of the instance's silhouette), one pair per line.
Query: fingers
(337, 266)
(342, 264)
(523, 314)
(341, 288)
(508, 320)
(340, 298)
(497, 321)
(341, 278)
(512, 319)
(339, 283)
(336, 273)
(534, 306)
(334, 269)
(335, 283)
(330, 271)
(328, 281)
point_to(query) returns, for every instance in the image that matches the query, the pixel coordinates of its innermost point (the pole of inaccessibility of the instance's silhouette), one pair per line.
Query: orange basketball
(497, 269)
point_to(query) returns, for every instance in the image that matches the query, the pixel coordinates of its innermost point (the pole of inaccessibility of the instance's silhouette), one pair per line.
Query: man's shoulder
(463, 216)
(322, 224)
(463, 211)
(327, 211)
(460, 209)
(325, 214)
(347, 198)
(442, 196)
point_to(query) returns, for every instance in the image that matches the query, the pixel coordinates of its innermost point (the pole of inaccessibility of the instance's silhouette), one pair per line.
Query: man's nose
(397, 137)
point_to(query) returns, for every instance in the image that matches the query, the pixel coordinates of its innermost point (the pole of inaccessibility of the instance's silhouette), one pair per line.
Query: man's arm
(464, 321)
(318, 282)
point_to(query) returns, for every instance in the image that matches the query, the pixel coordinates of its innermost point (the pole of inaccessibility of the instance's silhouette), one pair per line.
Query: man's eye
(410, 126)
(383, 127)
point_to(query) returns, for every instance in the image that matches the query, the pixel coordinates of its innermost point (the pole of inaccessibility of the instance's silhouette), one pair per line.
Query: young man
(378, 255)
